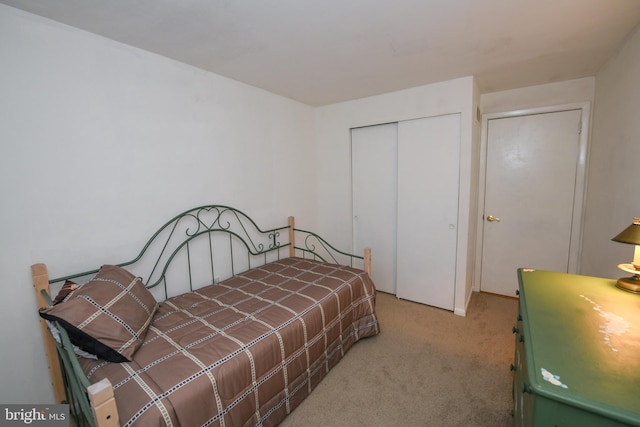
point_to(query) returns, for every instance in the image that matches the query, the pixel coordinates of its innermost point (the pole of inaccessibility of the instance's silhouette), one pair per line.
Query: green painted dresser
(577, 358)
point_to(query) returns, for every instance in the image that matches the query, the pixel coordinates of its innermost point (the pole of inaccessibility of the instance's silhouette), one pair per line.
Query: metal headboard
(232, 243)
(204, 225)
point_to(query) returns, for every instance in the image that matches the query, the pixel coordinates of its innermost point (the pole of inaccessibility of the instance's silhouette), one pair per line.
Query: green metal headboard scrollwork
(177, 237)
(319, 248)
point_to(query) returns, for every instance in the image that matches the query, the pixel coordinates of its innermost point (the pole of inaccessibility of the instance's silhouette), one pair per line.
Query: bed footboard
(308, 244)
(178, 239)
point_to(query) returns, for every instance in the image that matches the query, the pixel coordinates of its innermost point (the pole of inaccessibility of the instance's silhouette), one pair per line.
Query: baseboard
(463, 311)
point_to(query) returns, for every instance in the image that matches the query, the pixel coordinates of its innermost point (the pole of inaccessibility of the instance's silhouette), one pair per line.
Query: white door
(530, 186)
(374, 180)
(428, 181)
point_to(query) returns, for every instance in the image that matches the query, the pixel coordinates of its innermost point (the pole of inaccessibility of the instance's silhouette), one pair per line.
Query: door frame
(579, 200)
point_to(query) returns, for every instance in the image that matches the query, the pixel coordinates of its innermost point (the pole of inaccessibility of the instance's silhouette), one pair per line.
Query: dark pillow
(65, 291)
(108, 316)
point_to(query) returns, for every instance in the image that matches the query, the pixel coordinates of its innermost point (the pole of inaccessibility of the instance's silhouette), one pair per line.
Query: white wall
(614, 175)
(333, 124)
(101, 143)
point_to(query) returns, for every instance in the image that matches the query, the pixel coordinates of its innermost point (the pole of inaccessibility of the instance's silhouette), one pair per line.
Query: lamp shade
(631, 234)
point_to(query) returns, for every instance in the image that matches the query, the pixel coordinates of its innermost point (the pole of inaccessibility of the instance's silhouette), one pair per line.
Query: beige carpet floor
(427, 367)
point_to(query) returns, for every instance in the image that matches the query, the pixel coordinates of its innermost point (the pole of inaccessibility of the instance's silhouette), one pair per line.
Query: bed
(216, 322)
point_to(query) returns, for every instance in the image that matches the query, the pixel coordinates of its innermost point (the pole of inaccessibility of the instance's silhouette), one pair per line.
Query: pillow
(65, 291)
(108, 316)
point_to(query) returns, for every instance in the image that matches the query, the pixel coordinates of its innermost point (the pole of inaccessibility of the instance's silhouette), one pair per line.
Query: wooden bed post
(103, 404)
(292, 237)
(367, 261)
(41, 282)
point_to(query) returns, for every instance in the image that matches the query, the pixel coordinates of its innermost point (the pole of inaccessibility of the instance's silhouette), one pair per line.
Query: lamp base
(629, 284)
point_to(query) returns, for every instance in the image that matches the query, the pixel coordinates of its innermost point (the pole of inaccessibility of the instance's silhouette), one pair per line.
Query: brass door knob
(492, 218)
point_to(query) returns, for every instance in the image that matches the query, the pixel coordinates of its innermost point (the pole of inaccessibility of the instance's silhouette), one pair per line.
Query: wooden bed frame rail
(94, 405)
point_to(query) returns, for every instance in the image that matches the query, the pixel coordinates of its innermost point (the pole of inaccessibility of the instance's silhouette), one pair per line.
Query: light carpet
(427, 367)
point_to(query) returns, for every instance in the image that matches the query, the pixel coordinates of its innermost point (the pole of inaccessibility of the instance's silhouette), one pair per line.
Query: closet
(405, 178)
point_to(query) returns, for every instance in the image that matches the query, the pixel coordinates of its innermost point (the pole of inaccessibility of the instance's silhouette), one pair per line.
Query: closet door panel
(374, 181)
(428, 186)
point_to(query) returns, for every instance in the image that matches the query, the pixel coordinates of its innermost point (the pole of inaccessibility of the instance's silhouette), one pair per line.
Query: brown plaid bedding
(243, 352)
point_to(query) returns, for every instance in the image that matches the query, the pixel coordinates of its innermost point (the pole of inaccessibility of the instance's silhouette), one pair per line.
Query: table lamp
(630, 235)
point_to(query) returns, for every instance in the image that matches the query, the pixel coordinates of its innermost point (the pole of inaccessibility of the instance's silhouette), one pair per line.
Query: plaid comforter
(245, 351)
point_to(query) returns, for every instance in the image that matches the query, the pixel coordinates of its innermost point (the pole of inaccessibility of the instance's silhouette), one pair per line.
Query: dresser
(577, 357)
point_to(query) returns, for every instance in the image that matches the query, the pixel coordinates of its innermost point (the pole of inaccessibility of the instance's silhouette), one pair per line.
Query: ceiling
(326, 51)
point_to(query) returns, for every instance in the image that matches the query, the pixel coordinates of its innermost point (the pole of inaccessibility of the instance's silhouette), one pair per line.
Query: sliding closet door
(428, 181)
(374, 179)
